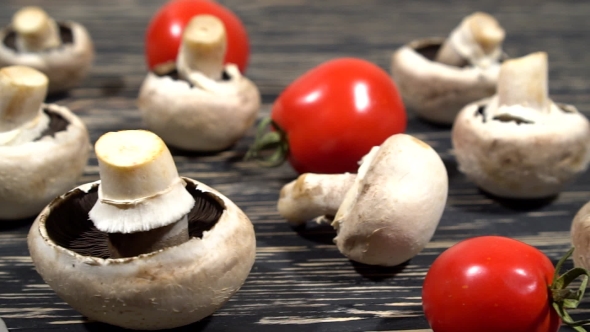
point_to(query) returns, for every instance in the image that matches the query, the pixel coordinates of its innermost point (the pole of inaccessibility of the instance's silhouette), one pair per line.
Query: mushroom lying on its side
(386, 213)
(199, 104)
(43, 147)
(142, 248)
(581, 237)
(519, 143)
(437, 78)
(61, 50)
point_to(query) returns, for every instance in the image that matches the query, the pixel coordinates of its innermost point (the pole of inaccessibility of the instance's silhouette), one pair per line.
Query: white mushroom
(385, 214)
(581, 237)
(519, 144)
(437, 78)
(43, 147)
(158, 252)
(61, 50)
(202, 105)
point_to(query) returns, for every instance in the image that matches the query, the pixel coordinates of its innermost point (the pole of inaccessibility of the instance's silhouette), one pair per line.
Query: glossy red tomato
(490, 284)
(164, 32)
(335, 113)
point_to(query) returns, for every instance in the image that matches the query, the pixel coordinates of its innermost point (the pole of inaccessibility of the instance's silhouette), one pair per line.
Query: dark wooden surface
(300, 282)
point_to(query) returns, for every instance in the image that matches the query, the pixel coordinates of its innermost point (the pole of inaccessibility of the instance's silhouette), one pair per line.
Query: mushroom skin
(34, 173)
(65, 66)
(208, 116)
(167, 288)
(390, 211)
(581, 237)
(519, 143)
(513, 160)
(438, 77)
(436, 91)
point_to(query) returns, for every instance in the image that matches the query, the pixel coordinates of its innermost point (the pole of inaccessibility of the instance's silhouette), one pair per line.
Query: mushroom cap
(65, 66)
(211, 117)
(521, 153)
(581, 237)
(163, 289)
(34, 173)
(436, 91)
(395, 204)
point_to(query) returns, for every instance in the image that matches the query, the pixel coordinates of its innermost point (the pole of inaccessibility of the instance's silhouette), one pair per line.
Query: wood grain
(300, 282)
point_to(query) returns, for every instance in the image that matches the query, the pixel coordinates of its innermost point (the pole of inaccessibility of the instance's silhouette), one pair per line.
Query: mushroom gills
(65, 34)
(507, 117)
(56, 123)
(169, 70)
(81, 236)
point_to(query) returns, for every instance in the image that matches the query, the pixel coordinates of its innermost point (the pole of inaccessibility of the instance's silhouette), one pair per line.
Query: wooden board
(300, 281)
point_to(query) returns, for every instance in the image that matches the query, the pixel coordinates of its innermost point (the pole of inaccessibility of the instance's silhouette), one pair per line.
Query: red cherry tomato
(164, 32)
(335, 113)
(490, 284)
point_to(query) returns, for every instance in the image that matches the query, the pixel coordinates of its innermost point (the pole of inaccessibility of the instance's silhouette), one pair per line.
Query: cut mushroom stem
(35, 30)
(142, 202)
(523, 81)
(313, 195)
(203, 47)
(477, 41)
(22, 91)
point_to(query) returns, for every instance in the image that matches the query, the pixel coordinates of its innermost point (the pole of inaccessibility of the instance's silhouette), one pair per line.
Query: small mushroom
(519, 143)
(386, 213)
(438, 77)
(198, 103)
(61, 50)
(43, 147)
(142, 248)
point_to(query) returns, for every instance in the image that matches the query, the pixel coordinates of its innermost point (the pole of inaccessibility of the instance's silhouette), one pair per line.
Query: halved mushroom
(142, 248)
(198, 103)
(438, 77)
(61, 50)
(43, 147)
(386, 213)
(519, 143)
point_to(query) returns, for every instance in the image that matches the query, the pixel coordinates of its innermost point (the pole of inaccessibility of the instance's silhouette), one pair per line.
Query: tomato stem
(274, 140)
(564, 298)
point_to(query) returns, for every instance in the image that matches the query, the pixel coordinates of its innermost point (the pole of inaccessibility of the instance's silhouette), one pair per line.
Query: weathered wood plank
(300, 281)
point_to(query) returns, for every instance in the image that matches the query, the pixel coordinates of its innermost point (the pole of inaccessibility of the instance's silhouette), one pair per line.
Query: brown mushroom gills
(69, 227)
(65, 33)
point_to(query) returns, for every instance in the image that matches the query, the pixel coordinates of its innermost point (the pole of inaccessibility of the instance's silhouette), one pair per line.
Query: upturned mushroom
(385, 214)
(519, 143)
(199, 104)
(61, 50)
(437, 78)
(43, 147)
(142, 248)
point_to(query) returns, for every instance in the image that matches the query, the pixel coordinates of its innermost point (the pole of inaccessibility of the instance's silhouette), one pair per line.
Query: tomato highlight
(334, 114)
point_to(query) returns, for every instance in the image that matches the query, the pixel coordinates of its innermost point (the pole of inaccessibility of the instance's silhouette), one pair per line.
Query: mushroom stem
(142, 202)
(476, 41)
(203, 47)
(313, 195)
(22, 91)
(35, 30)
(523, 81)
